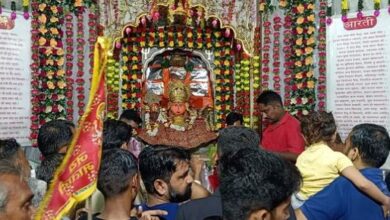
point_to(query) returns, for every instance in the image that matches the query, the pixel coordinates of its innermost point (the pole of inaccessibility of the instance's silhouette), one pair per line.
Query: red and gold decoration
(80, 61)
(288, 62)
(276, 53)
(266, 53)
(303, 87)
(69, 64)
(75, 179)
(321, 87)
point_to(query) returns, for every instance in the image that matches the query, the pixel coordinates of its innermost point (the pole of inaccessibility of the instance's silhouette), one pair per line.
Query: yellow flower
(42, 19)
(42, 6)
(217, 44)
(134, 76)
(218, 98)
(142, 43)
(282, 3)
(299, 41)
(161, 35)
(310, 73)
(61, 84)
(54, 9)
(190, 44)
(161, 44)
(134, 67)
(217, 34)
(54, 31)
(299, 85)
(171, 44)
(42, 41)
(42, 30)
(125, 77)
(226, 63)
(53, 42)
(300, 8)
(189, 35)
(217, 71)
(299, 75)
(218, 89)
(134, 58)
(308, 50)
(310, 30)
(310, 84)
(310, 41)
(311, 17)
(309, 60)
(298, 52)
(61, 61)
(50, 74)
(124, 68)
(151, 43)
(54, 19)
(60, 51)
(217, 53)
(300, 20)
(299, 30)
(78, 3)
(61, 72)
(217, 63)
(48, 51)
(125, 58)
(261, 6)
(311, 6)
(50, 62)
(50, 85)
(298, 63)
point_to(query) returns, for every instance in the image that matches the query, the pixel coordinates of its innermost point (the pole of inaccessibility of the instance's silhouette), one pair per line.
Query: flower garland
(303, 93)
(276, 53)
(344, 10)
(321, 87)
(112, 87)
(377, 7)
(35, 108)
(329, 12)
(51, 60)
(69, 64)
(80, 61)
(92, 25)
(245, 88)
(256, 89)
(25, 5)
(266, 53)
(288, 63)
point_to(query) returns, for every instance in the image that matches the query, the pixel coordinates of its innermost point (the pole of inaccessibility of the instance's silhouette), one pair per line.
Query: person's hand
(150, 214)
(386, 207)
(196, 166)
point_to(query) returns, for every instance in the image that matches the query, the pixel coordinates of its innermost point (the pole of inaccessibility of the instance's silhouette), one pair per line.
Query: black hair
(233, 117)
(232, 139)
(214, 217)
(269, 97)
(131, 115)
(45, 171)
(159, 162)
(253, 179)
(53, 135)
(373, 143)
(9, 149)
(115, 133)
(117, 168)
(318, 126)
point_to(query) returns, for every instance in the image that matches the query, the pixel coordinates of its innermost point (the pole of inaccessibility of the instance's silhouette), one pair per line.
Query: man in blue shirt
(367, 146)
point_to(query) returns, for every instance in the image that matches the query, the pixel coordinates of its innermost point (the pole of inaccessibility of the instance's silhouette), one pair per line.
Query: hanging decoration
(25, 5)
(288, 62)
(13, 9)
(321, 87)
(303, 93)
(377, 7)
(244, 101)
(92, 30)
(80, 82)
(266, 53)
(276, 53)
(344, 10)
(51, 60)
(112, 79)
(69, 64)
(360, 9)
(35, 91)
(329, 12)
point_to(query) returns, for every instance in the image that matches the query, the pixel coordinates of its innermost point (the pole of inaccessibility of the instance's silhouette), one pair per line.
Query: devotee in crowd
(256, 184)
(165, 172)
(367, 146)
(15, 194)
(54, 137)
(283, 134)
(132, 118)
(230, 140)
(320, 165)
(11, 154)
(234, 119)
(116, 134)
(118, 181)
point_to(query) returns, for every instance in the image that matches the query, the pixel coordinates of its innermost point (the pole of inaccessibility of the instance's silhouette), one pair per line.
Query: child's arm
(366, 185)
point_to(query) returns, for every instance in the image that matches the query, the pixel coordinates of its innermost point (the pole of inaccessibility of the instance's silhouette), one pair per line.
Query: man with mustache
(165, 172)
(283, 134)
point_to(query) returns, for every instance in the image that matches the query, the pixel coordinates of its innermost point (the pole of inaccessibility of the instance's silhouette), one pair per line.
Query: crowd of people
(298, 168)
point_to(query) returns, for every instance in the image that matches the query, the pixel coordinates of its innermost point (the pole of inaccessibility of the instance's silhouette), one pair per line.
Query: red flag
(75, 180)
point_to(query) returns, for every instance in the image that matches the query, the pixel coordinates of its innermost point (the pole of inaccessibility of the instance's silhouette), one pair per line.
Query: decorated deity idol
(178, 124)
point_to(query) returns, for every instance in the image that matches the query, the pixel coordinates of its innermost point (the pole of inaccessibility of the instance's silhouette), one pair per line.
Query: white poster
(358, 85)
(15, 79)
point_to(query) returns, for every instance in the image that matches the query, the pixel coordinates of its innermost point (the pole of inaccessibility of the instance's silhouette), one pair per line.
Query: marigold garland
(303, 88)
(112, 78)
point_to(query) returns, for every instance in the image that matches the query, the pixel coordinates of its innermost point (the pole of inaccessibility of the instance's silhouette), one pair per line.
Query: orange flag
(75, 180)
